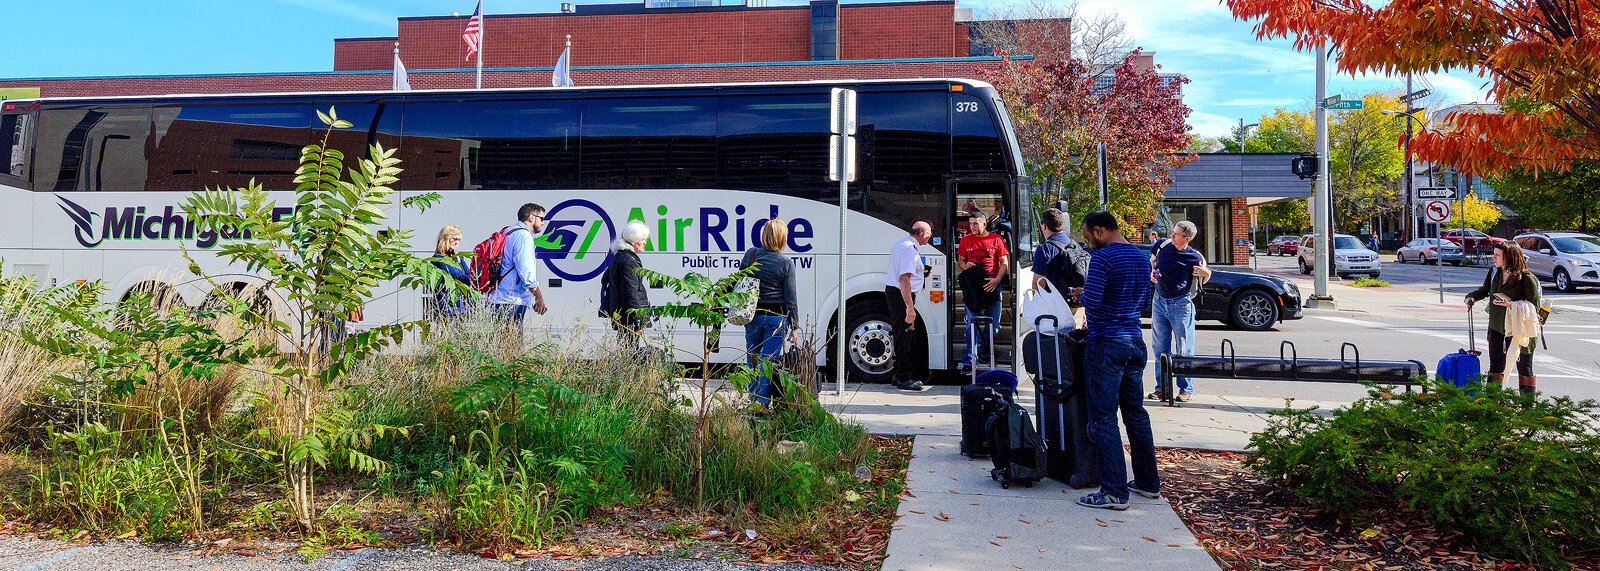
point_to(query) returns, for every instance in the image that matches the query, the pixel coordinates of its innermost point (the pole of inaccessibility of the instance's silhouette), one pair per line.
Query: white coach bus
(92, 186)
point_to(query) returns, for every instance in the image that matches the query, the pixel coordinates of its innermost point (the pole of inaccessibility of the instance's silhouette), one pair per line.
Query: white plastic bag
(1045, 301)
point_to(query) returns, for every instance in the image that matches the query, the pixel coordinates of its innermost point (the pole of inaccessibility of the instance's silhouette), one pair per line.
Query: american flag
(470, 36)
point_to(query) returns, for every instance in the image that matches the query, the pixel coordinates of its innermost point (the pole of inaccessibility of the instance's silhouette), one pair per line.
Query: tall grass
(593, 426)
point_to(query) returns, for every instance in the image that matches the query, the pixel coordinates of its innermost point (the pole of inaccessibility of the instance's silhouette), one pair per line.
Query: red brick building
(616, 44)
(636, 43)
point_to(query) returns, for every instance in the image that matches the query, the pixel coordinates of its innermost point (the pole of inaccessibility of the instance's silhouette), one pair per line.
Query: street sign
(1415, 95)
(1437, 211)
(842, 145)
(843, 112)
(1352, 104)
(1437, 192)
(1331, 101)
(849, 158)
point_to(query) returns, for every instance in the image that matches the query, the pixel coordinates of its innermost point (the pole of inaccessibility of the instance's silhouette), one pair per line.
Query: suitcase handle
(1472, 332)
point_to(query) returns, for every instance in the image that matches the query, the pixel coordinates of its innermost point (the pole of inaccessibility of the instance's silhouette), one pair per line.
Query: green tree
(1365, 162)
(705, 304)
(1481, 214)
(1554, 200)
(1283, 131)
(323, 261)
(1288, 215)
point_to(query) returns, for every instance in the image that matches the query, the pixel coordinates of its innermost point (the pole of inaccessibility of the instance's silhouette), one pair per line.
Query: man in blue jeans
(1179, 271)
(1113, 296)
(986, 252)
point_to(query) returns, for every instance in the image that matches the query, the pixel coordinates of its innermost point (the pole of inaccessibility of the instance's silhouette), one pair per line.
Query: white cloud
(1459, 87)
(1211, 124)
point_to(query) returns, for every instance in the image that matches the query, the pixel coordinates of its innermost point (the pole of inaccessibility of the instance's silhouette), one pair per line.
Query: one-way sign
(1437, 192)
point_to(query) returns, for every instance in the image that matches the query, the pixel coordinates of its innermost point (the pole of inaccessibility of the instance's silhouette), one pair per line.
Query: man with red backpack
(511, 269)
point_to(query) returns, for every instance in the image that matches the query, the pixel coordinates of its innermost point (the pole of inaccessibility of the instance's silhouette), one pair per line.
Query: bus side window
(89, 149)
(12, 146)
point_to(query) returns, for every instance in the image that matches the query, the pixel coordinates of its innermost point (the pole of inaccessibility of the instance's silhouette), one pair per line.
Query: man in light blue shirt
(519, 278)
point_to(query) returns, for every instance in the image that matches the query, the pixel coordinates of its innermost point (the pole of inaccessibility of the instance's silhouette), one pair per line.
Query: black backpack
(1069, 268)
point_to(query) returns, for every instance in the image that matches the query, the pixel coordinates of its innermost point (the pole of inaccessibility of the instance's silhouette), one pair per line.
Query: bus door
(984, 198)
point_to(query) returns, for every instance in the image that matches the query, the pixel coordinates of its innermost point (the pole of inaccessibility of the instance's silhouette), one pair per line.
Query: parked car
(1283, 246)
(1472, 241)
(1244, 300)
(1350, 256)
(1430, 251)
(1570, 259)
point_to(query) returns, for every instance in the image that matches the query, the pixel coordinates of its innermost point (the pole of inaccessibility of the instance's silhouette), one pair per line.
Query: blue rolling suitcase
(1462, 367)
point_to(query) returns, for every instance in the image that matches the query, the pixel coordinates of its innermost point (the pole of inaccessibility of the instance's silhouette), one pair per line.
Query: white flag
(562, 77)
(401, 81)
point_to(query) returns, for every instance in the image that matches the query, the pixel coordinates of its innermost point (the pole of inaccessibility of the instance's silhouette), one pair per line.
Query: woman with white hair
(624, 298)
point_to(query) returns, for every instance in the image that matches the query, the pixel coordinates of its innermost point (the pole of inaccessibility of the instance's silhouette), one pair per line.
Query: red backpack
(486, 259)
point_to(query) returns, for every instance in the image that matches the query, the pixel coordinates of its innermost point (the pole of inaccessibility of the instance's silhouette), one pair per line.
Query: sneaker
(1185, 397)
(966, 371)
(1146, 493)
(908, 385)
(1156, 395)
(1102, 501)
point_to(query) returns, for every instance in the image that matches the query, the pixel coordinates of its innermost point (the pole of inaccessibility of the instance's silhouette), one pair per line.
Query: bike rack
(1288, 367)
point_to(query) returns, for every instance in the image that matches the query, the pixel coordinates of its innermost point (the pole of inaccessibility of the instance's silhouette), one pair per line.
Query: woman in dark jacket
(448, 302)
(777, 310)
(1509, 276)
(626, 293)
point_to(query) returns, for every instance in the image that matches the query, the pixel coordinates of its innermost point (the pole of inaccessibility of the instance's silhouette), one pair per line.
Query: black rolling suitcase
(1019, 456)
(1058, 372)
(981, 399)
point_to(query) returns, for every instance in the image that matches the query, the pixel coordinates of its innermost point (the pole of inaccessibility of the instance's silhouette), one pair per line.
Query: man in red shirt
(985, 251)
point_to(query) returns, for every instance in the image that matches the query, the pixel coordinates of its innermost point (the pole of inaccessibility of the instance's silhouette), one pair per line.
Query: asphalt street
(1404, 322)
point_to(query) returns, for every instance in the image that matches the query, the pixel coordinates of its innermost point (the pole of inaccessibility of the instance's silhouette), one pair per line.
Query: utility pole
(1409, 230)
(1322, 201)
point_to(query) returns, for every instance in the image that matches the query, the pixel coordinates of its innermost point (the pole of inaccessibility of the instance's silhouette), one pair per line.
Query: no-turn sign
(1436, 211)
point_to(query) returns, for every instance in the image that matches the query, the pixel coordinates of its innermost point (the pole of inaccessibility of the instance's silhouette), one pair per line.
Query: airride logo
(135, 223)
(707, 236)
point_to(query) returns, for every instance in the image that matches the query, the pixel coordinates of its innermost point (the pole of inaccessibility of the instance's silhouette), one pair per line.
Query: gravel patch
(24, 554)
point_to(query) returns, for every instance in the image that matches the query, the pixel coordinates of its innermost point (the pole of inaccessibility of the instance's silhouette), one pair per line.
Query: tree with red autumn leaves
(1060, 115)
(1541, 59)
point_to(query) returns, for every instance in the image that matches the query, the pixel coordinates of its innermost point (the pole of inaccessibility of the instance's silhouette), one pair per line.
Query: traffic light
(1304, 166)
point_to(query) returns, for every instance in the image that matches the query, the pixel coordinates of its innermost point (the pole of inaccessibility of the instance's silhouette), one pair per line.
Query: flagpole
(483, 25)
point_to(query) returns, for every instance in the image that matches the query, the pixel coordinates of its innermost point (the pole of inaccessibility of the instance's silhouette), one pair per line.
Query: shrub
(1516, 474)
(86, 483)
(1369, 282)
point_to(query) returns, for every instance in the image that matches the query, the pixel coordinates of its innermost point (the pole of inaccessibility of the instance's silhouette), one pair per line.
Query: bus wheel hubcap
(872, 346)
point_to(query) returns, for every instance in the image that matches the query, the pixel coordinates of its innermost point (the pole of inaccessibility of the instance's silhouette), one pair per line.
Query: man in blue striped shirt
(1113, 297)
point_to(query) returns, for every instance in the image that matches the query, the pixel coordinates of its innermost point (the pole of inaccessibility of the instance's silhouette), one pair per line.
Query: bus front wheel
(869, 349)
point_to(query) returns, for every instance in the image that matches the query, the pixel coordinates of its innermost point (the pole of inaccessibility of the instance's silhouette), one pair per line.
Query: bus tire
(869, 351)
(162, 296)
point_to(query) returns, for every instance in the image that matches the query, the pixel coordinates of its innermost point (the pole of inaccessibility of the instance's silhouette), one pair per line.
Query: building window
(824, 31)
(1211, 218)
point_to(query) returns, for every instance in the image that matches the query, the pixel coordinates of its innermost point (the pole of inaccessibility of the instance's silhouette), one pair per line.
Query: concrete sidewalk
(956, 517)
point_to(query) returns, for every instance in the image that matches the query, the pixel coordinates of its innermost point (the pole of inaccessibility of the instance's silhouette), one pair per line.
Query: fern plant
(322, 262)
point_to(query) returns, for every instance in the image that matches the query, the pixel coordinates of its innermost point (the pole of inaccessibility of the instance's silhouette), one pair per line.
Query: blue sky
(1232, 74)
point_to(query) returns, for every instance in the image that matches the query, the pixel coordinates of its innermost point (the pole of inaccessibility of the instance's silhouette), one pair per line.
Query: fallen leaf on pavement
(1148, 538)
(942, 516)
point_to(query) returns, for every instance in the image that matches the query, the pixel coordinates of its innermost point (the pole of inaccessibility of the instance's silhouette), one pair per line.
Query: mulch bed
(1247, 522)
